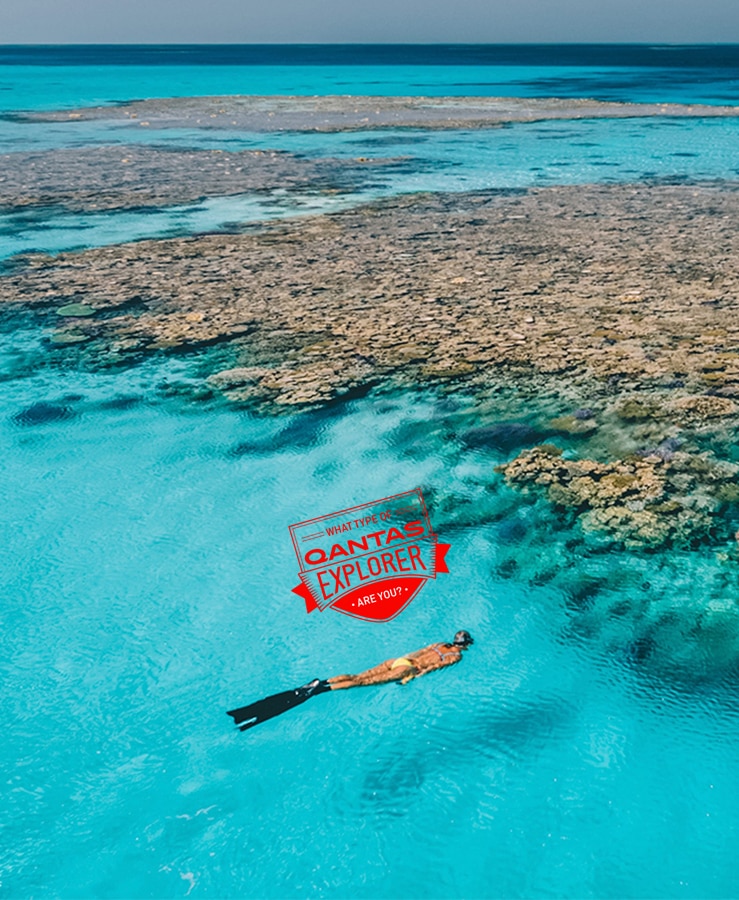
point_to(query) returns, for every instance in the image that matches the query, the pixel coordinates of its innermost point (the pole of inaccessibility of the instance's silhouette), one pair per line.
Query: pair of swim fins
(255, 713)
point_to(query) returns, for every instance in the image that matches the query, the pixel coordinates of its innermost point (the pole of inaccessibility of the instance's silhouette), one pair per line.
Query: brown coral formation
(693, 409)
(632, 287)
(639, 502)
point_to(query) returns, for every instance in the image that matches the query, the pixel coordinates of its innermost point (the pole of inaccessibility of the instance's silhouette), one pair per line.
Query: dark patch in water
(504, 436)
(42, 413)
(525, 727)
(539, 579)
(445, 405)
(227, 228)
(392, 788)
(507, 568)
(517, 731)
(303, 431)
(511, 530)
(390, 141)
(264, 446)
(120, 403)
(640, 650)
(581, 595)
(665, 450)
(620, 609)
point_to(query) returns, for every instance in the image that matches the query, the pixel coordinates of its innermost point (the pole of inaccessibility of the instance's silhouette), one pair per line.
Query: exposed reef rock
(337, 113)
(648, 501)
(128, 176)
(620, 293)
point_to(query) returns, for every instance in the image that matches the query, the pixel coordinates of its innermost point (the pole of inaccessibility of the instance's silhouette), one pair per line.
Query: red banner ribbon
(369, 561)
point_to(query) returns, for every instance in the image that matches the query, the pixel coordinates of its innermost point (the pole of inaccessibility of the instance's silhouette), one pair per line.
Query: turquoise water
(52, 231)
(51, 77)
(147, 573)
(71, 86)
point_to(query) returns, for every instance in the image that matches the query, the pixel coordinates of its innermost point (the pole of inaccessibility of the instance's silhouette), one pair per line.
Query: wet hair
(462, 639)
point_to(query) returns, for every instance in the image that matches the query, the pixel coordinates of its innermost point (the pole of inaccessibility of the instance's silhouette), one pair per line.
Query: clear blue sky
(367, 21)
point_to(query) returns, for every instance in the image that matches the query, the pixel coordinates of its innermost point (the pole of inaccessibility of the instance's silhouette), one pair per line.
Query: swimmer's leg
(341, 682)
(381, 674)
(249, 716)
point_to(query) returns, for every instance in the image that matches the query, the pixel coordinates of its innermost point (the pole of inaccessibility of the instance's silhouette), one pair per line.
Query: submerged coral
(650, 501)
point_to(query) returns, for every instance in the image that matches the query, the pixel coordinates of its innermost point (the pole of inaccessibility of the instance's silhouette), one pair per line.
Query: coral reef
(647, 501)
(610, 292)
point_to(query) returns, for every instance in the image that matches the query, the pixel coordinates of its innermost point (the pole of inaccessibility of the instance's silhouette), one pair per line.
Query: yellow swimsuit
(401, 661)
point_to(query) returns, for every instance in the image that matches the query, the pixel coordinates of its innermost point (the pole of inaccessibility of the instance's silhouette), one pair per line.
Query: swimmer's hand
(409, 677)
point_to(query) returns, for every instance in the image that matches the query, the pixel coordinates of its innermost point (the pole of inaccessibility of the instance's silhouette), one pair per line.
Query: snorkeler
(404, 668)
(401, 669)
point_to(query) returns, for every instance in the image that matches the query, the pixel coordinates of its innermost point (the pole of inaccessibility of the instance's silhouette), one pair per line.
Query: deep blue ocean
(147, 566)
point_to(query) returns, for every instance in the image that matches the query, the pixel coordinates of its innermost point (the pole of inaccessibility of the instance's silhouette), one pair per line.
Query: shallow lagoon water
(147, 573)
(52, 231)
(515, 156)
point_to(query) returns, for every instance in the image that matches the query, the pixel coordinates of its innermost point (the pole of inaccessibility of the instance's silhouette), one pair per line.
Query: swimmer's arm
(451, 662)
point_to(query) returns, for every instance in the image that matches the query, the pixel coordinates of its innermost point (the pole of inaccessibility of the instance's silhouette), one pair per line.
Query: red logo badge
(369, 561)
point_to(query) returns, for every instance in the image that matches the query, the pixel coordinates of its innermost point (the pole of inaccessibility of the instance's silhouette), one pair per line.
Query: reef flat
(130, 176)
(629, 286)
(338, 113)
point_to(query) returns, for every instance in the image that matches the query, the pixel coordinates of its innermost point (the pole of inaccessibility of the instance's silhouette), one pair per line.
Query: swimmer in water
(401, 669)
(405, 668)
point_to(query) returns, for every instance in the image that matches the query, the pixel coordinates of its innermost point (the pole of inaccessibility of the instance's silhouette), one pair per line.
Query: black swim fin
(251, 715)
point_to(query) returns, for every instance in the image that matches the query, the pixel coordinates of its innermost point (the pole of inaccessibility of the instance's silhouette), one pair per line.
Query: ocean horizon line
(718, 55)
(654, 45)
